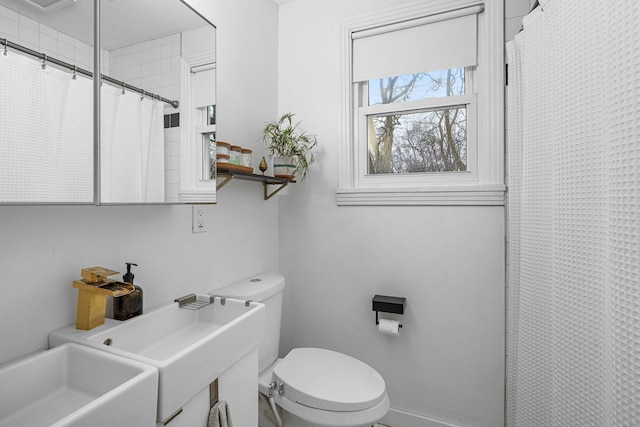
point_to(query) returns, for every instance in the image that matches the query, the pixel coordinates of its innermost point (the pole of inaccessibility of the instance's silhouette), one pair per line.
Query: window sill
(467, 195)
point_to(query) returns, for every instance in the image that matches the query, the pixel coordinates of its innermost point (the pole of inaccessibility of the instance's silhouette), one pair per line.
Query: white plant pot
(284, 167)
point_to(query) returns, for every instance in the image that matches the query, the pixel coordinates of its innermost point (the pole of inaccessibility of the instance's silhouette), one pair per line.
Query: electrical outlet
(198, 224)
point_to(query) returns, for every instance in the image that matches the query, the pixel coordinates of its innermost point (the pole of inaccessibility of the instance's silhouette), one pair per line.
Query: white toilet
(311, 387)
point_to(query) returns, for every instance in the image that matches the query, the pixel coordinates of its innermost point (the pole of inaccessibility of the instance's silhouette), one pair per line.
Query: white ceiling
(123, 22)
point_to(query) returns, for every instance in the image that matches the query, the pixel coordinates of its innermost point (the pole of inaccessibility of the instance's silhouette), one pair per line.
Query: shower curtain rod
(45, 58)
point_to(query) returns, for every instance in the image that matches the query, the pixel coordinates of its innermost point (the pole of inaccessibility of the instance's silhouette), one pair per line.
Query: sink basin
(73, 385)
(190, 348)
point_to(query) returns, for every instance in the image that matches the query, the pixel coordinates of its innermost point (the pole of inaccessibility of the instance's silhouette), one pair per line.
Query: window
(415, 123)
(198, 137)
(206, 134)
(415, 93)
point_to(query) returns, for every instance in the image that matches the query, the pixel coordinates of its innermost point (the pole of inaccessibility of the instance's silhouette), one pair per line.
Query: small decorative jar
(222, 158)
(236, 155)
(223, 148)
(246, 158)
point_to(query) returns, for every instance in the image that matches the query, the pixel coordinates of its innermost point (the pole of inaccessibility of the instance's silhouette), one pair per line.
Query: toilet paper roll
(389, 327)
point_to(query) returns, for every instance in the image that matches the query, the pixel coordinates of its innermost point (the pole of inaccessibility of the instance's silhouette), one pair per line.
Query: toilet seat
(329, 381)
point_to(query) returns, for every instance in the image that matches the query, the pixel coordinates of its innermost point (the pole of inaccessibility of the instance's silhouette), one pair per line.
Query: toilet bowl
(309, 387)
(318, 387)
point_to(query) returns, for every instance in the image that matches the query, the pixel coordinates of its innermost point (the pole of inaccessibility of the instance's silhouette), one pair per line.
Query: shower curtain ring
(75, 69)
(6, 42)
(142, 96)
(123, 86)
(44, 61)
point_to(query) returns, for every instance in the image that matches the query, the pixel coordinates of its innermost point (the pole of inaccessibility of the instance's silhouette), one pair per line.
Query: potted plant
(289, 148)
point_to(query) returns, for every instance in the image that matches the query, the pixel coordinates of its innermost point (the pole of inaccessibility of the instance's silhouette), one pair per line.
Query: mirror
(157, 130)
(46, 114)
(157, 103)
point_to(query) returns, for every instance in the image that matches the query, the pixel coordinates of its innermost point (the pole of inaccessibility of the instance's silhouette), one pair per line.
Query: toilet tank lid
(257, 288)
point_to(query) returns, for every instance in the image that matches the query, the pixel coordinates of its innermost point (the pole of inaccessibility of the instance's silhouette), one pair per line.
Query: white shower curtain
(46, 133)
(573, 356)
(131, 148)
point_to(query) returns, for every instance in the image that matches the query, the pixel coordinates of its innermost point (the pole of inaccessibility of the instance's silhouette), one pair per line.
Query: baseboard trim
(400, 418)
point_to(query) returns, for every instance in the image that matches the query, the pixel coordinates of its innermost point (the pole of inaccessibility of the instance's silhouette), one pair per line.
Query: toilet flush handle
(281, 388)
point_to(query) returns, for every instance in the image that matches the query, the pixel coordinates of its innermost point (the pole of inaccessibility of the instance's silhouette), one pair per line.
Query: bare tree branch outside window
(424, 141)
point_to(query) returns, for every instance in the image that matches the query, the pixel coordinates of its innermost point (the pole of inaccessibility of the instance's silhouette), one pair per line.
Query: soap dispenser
(128, 306)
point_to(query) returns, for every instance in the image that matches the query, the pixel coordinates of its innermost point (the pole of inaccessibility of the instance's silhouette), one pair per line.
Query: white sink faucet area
(74, 385)
(189, 347)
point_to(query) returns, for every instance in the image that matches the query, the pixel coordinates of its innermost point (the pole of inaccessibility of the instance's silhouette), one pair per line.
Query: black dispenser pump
(128, 277)
(128, 306)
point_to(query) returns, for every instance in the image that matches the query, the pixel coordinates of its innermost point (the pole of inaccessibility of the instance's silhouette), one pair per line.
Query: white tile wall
(152, 65)
(29, 33)
(172, 163)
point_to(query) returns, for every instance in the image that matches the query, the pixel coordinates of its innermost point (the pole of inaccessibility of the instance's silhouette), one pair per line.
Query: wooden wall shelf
(228, 174)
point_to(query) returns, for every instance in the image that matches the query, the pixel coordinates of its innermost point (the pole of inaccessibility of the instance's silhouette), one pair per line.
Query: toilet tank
(267, 289)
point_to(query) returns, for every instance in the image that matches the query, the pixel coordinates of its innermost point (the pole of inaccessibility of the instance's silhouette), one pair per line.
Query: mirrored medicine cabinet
(153, 140)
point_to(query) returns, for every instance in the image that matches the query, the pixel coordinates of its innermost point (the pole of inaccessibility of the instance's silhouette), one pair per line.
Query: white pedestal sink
(73, 385)
(190, 348)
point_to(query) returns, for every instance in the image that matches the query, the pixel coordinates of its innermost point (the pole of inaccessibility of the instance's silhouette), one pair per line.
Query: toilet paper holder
(388, 304)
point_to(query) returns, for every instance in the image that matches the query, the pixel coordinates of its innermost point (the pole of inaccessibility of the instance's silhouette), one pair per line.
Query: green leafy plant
(283, 139)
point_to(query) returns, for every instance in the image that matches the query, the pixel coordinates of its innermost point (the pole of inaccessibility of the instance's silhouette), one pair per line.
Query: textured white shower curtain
(573, 356)
(46, 133)
(131, 148)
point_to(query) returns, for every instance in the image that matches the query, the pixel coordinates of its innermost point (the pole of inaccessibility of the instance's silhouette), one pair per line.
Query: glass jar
(236, 155)
(246, 158)
(223, 148)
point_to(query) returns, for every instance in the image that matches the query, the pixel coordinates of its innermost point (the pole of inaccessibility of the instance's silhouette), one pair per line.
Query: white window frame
(203, 133)
(468, 100)
(483, 182)
(195, 186)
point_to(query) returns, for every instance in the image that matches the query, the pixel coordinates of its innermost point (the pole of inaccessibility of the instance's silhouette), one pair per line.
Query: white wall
(43, 248)
(448, 363)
